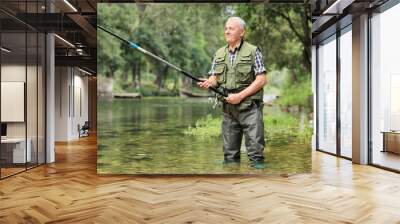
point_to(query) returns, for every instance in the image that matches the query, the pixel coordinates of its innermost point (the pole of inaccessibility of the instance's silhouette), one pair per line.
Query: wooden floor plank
(70, 191)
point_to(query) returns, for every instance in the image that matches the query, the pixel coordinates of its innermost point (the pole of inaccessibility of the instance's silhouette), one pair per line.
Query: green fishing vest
(240, 74)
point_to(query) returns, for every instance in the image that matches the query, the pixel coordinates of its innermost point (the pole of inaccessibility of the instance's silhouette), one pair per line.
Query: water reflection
(146, 136)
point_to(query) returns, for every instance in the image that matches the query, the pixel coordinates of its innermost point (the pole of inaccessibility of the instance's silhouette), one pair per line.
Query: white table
(19, 149)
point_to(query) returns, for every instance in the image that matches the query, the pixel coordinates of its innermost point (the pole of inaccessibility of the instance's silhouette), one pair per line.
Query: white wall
(12, 100)
(62, 81)
(16, 73)
(71, 102)
(33, 126)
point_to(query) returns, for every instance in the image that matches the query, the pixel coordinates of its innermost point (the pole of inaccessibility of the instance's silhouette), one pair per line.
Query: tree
(188, 35)
(286, 24)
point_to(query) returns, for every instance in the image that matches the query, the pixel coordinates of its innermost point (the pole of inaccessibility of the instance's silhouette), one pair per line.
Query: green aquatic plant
(280, 129)
(206, 127)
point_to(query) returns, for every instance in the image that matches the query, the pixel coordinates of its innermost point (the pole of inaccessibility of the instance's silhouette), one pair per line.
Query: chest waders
(244, 119)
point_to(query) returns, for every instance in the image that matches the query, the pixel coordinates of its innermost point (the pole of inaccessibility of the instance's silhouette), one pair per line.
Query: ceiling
(74, 22)
(328, 16)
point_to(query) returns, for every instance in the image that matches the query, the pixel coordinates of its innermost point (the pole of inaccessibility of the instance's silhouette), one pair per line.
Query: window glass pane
(22, 88)
(346, 94)
(385, 86)
(327, 96)
(15, 150)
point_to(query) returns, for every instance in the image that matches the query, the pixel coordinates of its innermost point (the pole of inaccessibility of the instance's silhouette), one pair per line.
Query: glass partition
(14, 153)
(327, 95)
(385, 89)
(22, 77)
(346, 92)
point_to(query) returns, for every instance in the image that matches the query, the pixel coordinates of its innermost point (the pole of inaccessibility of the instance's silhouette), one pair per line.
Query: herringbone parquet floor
(70, 191)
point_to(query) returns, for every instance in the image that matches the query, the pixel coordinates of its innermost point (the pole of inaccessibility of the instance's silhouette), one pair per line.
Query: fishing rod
(135, 46)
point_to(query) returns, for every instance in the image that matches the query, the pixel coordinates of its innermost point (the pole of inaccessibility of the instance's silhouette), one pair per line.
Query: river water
(146, 136)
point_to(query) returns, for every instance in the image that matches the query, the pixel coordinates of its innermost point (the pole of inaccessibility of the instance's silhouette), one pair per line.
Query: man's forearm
(254, 87)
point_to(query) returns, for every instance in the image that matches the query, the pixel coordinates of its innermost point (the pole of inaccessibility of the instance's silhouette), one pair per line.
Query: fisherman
(239, 68)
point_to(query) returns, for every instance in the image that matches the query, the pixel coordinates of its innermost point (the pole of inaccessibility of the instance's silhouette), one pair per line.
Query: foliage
(187, 35)
(205, 128)
(282, 31)
(280, 129)
(109, 51)
(297, 95)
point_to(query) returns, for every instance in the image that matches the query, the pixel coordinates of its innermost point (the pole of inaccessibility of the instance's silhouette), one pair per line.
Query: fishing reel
(219, 98)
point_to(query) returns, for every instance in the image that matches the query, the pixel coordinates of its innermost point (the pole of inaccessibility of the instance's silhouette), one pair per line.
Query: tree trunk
(126, 74)
(174, 88)
(134, 74)
(165, 74)
(186, 83)
(307, 37)
(138, 75)
(111, 72)
(158, 78)
(294, 75)
(160, 73)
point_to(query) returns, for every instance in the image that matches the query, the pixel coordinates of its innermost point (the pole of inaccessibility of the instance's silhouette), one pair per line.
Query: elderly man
(239, 68)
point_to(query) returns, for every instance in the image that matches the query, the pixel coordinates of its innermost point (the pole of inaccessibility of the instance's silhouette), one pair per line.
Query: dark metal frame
(26, 89)
(369, 90)
(316, 98)
(45, 90)
(338, 73)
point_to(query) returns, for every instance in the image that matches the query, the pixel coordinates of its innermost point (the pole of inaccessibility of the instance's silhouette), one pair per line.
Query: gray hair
(242, 23)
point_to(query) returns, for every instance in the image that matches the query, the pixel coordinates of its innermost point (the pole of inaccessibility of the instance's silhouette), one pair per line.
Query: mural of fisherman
(238, 67)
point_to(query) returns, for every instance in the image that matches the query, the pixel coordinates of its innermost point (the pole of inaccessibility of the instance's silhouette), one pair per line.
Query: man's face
(233, 31)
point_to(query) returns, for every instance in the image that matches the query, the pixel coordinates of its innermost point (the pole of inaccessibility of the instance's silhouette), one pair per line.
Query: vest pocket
(220, 72)
(244, 73)
(246, 58)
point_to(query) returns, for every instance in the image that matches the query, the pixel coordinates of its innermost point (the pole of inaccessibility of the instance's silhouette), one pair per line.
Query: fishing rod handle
(224, 94)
